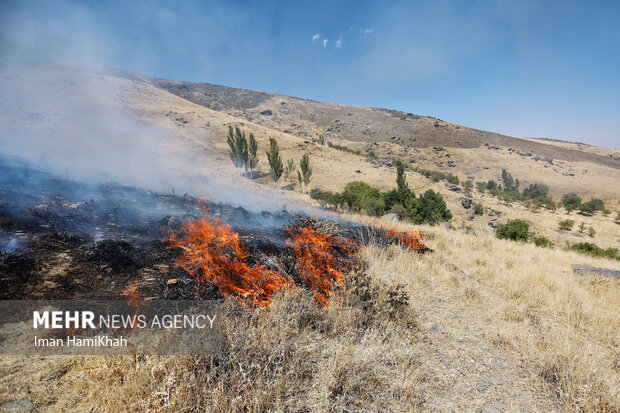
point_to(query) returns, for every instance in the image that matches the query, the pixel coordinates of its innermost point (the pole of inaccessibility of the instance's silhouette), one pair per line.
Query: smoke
(67, 112)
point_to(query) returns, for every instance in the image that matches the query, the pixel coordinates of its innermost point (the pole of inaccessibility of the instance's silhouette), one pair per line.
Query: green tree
(305, 172)
(238, 147)
(430, 209)
(509, 183)
(402, 193)
(359, 196)
(252, 155)
(515, 229)
(566, 224)
(571, 201)
(275, 162)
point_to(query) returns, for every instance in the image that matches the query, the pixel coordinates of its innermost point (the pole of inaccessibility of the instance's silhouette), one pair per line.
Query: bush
(399, 210)
(468, 185)
(360, 196)
(515, 229)
(567, 224)
(586, 209)
(571, 201)
(541, 241)
(592, 206)
(326, 198)
(617, 220)
(453, 179)
(481, 186)
(594, 250)
(430, 208)
(591, 232)
(478, 209)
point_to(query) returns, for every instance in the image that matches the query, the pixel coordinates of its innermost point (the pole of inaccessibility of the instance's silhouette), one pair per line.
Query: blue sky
(524, 68)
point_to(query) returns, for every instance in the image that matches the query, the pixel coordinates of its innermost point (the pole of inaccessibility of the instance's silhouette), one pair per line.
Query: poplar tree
(306, 172)
(275, 162)
(238, 145)
(252, 155)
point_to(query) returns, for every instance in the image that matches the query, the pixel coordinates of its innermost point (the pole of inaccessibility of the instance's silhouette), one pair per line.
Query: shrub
(515, 229)
(399, 210)
(510, 185)
(360, 196)
(326, 198)
(567, 224)
(594, 250)
(541, 241)
(481, 186)
(478, 209)
(592, 206)
(468, 185)
(582, 227)
(571, 201)
(430, 208)
(587, 209)
(591, 232)
(344, 148)
(453, 179)
(618, 218)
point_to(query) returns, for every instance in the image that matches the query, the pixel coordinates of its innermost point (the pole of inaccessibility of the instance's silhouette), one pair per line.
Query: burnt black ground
(62, 239)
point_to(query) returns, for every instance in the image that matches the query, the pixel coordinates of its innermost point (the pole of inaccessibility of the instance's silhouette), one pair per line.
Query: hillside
(479, 324)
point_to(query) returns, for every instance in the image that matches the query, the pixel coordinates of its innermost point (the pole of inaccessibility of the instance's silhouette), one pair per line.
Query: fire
(213, 254)
(322, 260)
(410, 239)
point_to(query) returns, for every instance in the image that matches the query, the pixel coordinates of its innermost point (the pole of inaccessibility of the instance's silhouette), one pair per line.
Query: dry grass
(410, 334)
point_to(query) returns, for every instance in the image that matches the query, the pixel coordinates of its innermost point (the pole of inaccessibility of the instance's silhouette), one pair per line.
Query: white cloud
(316, 37)
(366, 31)
(339, 42)
(325, 42)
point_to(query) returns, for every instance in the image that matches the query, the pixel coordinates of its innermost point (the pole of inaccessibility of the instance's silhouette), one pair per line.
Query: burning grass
(213, 254)
(316, 257)
(322, 260)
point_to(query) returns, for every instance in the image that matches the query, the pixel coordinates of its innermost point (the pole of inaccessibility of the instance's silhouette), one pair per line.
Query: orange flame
(322, 260)
(213, 254)
(410, 239)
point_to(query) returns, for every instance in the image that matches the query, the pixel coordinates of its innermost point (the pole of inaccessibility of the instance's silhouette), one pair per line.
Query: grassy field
(477, 325)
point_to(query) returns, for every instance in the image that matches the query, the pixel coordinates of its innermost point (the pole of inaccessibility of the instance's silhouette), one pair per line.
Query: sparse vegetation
(481, 186)
(541, 241)
(594, 250)
(478, 209)
(468, 185)
(592, 206)
(571, 201)
(289, 168)
(345, 149)
(617, 220)
(591, 232)
(437, 176)
(566, 224)
(275, 162)
(515, 230)
(321, 139)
